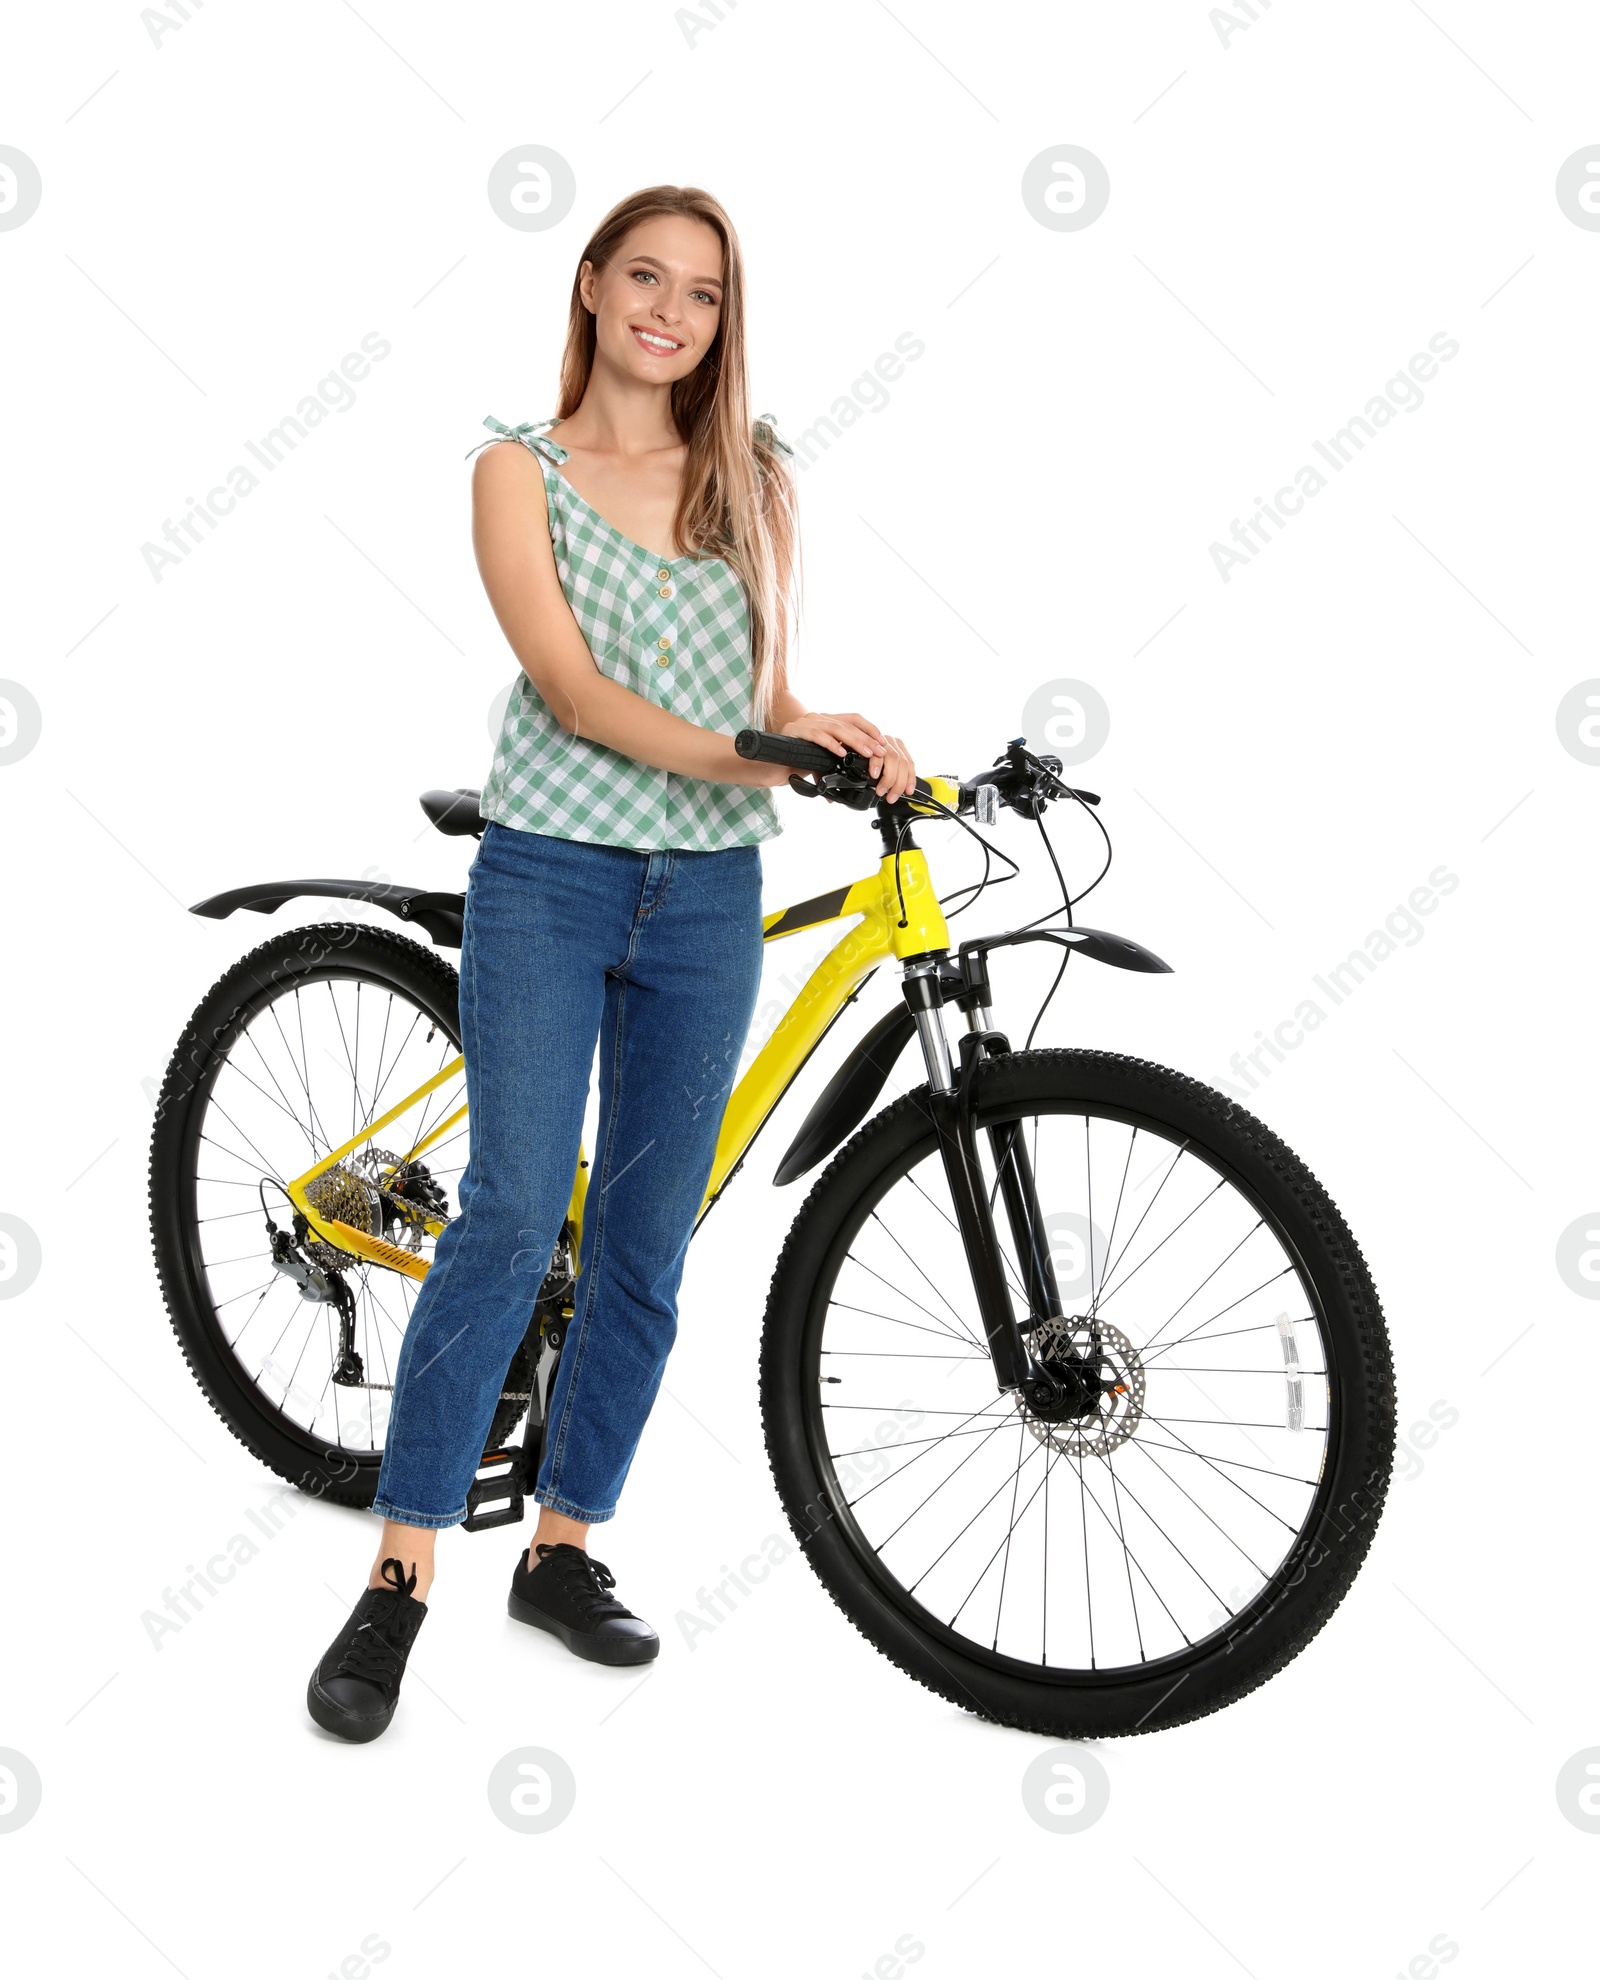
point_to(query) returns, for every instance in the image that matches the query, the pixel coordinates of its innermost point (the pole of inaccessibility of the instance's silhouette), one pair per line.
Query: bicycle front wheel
(1185, 1527)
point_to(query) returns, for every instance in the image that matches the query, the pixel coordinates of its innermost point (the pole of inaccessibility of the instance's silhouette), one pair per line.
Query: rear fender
(440, 914)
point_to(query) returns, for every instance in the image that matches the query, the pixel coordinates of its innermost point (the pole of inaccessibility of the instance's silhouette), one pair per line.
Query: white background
(1290, 754)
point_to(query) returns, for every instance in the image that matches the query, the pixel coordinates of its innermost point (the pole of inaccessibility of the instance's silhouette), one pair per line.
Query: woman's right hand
(838, 733)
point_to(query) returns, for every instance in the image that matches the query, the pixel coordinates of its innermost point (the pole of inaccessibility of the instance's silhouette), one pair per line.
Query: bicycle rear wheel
(1190, 1523)
(302, 1044)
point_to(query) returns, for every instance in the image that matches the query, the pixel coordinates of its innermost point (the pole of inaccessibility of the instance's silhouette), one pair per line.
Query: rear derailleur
(326, 1286)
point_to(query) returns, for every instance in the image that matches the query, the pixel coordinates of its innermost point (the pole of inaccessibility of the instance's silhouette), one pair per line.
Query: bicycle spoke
(1136, 1445)
(282, 1100)
(382, 1080)
(1276, 1374)
(1195, 1332)
(1213, 1462)
(261, 1292)
(944, 1333)
(1005, 1544)
(350, 1064)
(305, 1060)
(937, 1488)
(1088, 1185)
(1138, 1227)
(1088, 1589)
(1005, 1256)
(1143, 1262)
(1225, 1260)
(316, 1132)
(1127, 1562)
(965, 1529)
(884, 1354)
(1116, 1210)
(963, 1335)
(1238, 1464)
(906, 1443)
(1131, 1555)
(923, 1275)
(1167, 1537)
(266, 1167)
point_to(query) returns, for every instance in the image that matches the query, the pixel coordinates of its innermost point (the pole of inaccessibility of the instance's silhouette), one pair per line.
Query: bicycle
(1014, 1493)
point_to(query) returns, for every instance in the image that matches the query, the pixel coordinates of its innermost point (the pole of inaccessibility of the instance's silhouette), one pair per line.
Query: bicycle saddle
(454, 812)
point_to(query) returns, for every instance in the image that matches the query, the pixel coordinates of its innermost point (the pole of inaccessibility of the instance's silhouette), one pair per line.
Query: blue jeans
(657, 955)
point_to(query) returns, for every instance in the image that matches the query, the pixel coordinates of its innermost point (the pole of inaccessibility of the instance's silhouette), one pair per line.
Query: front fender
(844, 1102)
(440, 914)
(1098, 944)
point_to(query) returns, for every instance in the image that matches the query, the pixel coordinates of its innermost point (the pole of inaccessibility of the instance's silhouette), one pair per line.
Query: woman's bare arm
(511, 537)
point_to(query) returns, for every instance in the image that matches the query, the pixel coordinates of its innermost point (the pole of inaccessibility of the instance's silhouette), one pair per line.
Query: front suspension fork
(950, 1101)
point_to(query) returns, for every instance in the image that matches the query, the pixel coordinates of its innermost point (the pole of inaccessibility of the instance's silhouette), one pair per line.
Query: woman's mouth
(654, 343)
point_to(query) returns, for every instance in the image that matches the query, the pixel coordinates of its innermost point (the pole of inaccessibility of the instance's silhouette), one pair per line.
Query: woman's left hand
(889, 761)
(893, 769)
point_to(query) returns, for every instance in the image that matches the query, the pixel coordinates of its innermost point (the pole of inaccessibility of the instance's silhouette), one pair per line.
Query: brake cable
(978, 887)
(905, 826)
(1069, 903)
(975, 887)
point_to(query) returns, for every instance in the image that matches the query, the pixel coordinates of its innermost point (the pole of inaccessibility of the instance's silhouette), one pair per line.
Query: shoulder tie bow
(526, 433)
(766, 429)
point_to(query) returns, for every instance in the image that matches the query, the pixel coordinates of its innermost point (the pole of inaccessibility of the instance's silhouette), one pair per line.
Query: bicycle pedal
(500, 1491)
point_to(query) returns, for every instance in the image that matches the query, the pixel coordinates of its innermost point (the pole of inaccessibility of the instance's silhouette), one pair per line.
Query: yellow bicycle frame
(900, 916)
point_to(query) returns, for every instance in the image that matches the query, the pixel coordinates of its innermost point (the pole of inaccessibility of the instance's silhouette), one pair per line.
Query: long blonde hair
(737, 500)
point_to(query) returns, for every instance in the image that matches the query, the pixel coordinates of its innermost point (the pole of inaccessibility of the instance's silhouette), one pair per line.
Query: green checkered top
(673, 629)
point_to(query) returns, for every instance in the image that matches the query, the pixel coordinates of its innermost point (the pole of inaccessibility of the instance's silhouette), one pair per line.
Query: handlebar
(762, 746)
(1018, 779)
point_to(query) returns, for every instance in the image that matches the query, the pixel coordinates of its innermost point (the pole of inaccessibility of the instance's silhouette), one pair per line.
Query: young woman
(640, 552)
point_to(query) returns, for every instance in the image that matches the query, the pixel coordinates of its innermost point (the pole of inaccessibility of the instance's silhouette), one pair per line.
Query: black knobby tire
(1319, 1566)
(303, 956)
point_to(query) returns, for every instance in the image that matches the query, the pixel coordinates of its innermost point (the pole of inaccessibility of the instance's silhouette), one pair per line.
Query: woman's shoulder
(510, 480)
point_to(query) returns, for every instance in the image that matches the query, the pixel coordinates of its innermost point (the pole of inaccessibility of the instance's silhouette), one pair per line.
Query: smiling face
(657, 305)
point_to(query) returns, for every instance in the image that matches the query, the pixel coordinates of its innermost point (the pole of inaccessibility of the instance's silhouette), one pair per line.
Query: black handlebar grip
(761, 746)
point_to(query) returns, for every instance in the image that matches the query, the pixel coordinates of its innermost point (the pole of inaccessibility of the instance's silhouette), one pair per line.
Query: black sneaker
(354, 1690)
(569, 1595)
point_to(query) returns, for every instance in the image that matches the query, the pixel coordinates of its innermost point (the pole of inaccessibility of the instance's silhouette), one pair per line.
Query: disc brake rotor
(1089, 1348)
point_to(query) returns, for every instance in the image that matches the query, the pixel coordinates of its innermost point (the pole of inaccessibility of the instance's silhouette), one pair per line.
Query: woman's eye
(643, 275)
(700, 296)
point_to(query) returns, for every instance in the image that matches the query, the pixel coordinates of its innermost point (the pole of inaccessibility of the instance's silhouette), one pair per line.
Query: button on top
(663, 572)
(664, 642)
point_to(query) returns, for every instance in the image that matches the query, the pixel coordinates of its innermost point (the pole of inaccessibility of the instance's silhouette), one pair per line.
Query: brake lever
(1051, 766)
(836, 788)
